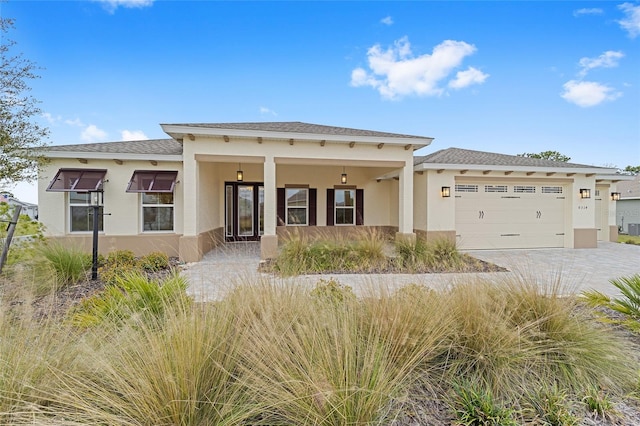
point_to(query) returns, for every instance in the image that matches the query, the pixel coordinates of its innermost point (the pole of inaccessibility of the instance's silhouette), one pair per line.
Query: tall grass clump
(324, 252)
(509, 334)
(29, 352)
(70, 263)
(133, 294)
(420, 255)
(326, 358)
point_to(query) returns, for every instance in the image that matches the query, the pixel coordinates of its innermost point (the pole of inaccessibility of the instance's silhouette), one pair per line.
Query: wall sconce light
(343, 177)
(445, 192)
(239, 173)
(585, 193)
(615, 196)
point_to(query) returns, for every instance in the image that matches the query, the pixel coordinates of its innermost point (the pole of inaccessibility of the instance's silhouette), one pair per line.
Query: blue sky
(507, 77)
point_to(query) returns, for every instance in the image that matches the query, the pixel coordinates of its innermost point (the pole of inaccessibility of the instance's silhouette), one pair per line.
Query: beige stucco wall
(122, 209)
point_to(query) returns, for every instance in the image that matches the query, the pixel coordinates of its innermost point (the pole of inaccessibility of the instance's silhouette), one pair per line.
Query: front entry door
(244, 211)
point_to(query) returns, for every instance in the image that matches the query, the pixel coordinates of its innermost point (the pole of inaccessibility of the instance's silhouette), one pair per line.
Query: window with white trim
(157, 211)
(297, 206)
(345, 207)
(81, 213)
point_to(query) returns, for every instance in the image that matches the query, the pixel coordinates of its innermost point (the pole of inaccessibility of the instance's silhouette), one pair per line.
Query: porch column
(405, 214)
(189, 244)
(269, 241)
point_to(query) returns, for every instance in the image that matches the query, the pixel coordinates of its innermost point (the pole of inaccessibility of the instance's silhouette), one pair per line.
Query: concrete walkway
(575, 270)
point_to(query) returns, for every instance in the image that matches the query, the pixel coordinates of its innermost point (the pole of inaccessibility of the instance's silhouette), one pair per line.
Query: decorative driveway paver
(575, 270)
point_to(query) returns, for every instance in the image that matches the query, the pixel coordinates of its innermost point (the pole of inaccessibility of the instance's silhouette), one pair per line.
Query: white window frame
(336, 207)
(144, 205)
(306, 206)
(70, 206)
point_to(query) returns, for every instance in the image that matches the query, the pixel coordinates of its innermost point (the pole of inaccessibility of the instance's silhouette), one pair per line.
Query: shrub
(475, 406)
(599, 405)
(628, 304)
(550, 405)
(419, 255)
(119, 264)
(133, 294)
(154, 261)
(324, 253)
(331, 290)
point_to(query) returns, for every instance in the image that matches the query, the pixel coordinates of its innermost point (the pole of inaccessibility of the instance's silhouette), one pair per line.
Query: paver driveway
(575, 269)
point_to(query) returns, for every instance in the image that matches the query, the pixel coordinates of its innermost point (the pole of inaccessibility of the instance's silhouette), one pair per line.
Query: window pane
(345, 197)
(79, 198)
(245, 210)
(344, 216)
(296, 197)
(157, 198)
(261, 210)
(297, 216)
(229, 210)
(157, 218)
(82, 219)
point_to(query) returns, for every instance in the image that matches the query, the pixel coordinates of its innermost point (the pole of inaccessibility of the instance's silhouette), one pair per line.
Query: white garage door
(509, 215)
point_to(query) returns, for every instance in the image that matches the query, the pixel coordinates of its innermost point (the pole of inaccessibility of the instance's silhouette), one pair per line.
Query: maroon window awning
(78, 180)
(152, 181)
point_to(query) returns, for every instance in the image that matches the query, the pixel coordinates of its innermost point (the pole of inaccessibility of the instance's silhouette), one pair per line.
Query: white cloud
(267, 111)
(75, 122)
(396, 72)
(51, 118)
(93, 134)
(585, 11)
(112, 5)
(608, 59)
(467, 78)
(133, 135)
(388, 20)
(631, 23)
(588, 93)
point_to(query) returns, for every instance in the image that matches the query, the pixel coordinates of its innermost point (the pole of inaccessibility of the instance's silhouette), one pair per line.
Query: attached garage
(502, 214)
(484, 200)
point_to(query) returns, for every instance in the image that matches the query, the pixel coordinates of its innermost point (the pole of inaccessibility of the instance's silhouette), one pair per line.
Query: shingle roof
(297, 127)
(150, 146)
(629, 188)
(470, 157)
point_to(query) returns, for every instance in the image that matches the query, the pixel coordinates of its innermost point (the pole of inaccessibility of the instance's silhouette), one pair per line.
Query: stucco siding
(627, 211)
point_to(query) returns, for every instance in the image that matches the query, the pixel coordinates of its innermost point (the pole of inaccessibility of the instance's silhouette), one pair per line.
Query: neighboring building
(628, 207)
(29, 209)
(213, 183)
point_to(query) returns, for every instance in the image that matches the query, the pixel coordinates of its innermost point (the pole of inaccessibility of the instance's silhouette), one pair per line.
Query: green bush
(154, 261)
(301, 254)
(550, 405)
(132, 294)
(331, 290)
(475, 405)
(628, 304)
(118, 264)
(420, 255)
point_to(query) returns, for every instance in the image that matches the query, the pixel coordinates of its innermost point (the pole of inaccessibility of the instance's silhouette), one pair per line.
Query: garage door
(506, 215)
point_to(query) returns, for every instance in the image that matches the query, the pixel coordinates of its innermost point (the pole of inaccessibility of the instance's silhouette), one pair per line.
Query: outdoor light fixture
(95, 201)
(585, 193)
(239, 173)
(445, 192)
(343, 177)
(615, 196)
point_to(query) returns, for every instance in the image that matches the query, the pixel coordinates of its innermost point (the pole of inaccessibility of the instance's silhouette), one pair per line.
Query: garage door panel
(510, 220)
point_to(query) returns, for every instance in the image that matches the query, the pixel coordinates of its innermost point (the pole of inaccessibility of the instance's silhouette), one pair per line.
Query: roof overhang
(111, 156)
(181, 132)
(599, 172)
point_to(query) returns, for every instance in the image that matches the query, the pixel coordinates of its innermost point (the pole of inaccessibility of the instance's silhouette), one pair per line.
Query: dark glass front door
(244, 211)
